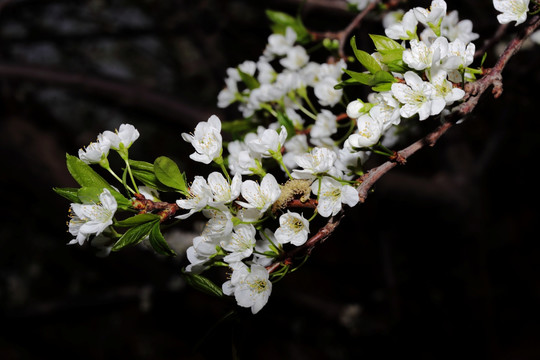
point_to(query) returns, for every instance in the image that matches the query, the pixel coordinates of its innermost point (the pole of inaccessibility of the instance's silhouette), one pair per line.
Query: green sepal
(365, 59)
(203, 284)
(158, 242)
(134, 235)
(137, 220)
(68, 193)
(168, 173)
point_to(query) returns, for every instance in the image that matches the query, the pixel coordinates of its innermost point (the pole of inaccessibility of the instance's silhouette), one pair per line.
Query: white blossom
(251, 286)
(418, 97)
(91, 219)
(325, 92)
(279, 44)
(433, 15)
(223, 192)
(261, 196)
(332, 195)
(385, 110)
(319, 161)
(206, 140)
(459, 56)
(325, 125)
(444, 88)
(203, 248)
(200, 195)
(295, 59)
(454, 29)
(512, 10)
(355, 108)
(293, 228)
(421, 56)
(268, 142)
(295, 146)
(241, 160)
(121, 138)
(404, 29)
(96, 151)
(368, 134)
(240, 244)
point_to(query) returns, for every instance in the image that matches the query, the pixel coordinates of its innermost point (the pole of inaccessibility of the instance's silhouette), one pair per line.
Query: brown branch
(164, 209)
(132, 95)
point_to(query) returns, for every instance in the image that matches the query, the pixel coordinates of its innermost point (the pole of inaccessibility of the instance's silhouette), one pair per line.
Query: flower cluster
(303, 140)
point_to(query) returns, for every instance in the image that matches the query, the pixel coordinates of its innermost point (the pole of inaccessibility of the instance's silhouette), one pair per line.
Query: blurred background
(440, 262)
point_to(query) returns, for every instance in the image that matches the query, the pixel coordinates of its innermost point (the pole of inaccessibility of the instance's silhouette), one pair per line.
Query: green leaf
(203, 284)
(133, 236)
(391, 56)
(168, 173)
(382, 87)
(362, 78)
(158, 241)
(365, 59)
(383, 43)
(68, 193)
(88, 178)
(285, 121)
(84, 174)
(138, 220)
(149, 179)
(141, 165)
(249, 80)
(283, 20)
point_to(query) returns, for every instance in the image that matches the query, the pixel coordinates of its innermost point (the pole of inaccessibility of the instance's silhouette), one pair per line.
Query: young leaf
(362, 78)
(149, 179)
(134, 235)
(249, 80)
(383, 43)
(141, 165)
(137, 220)
(365, 59)
(203, 284)
(158, 241)
(283, 20)
(84, 174)
(167, 173)
(68, 193)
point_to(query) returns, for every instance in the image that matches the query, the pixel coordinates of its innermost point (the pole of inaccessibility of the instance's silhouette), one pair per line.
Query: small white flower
(203, 248)
(433, 15)
(219, 224)
(368, 134)
(251, 287)
(459, 56)
(263, 246)
(418, 97)
(296, 58)
(355, 109)
(512, 10)
(385, 110)
(96, 151)
(122, 138)
(200, 195)
(319, 161)
(261, 196)
(268, 142)
(325, 125)
(293, 228)
(228, 94)
(240, 244)
(224, 192)
(325, 92)
(295, 146)
(421, 56)
(404, 29)
(332, 195)
(241, 160)
(91, 219)
(280, 44)
(454, 29)
(444, 88)
(206, 140)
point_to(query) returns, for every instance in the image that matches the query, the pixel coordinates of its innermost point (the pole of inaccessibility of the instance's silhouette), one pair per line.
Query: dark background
(440, 262)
